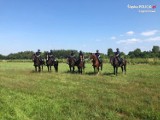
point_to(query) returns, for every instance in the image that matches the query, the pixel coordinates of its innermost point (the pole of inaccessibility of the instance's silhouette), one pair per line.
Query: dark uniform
(51, 54)
(81, 55)
(81, 58)
(98, 55)
(71, 56)
(38, 54)
(117, 54)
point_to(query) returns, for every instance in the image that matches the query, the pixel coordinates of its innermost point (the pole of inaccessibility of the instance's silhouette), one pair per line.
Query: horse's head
(71, 61)
(92, 56)
(33, 57)
(114, 61)
(81, 57)
(36, 60)
(111, 59)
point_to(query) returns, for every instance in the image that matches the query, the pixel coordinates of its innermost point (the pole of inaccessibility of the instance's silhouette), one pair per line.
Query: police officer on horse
(98, 56)
(51, 55)
(81, 55)
(38, 55)
(117, 55)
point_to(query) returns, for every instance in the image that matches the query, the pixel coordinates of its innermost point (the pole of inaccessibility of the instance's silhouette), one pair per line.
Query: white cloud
(113, 37)
(153, 39)
(149, 33)
(130, 33)
(129, 41)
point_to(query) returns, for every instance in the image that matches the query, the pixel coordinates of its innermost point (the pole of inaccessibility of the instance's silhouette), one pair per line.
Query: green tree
(110, 52)
(137, 52)
(155, 49)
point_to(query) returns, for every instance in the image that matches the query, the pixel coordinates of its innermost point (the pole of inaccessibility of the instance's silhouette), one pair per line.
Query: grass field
(26, 95)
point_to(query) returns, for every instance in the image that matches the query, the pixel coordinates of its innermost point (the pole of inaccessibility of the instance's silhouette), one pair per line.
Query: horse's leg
(42, 67)
(69, 68)
(39, 67)
(94, 69)
(50, 68)
(73, 68)
(116, 71)
(122, 68)
(80, 70)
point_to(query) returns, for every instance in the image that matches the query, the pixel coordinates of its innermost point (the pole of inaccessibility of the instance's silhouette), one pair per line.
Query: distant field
(26, 95)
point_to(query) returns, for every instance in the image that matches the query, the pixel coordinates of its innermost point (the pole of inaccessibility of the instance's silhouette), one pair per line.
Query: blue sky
(85, 25)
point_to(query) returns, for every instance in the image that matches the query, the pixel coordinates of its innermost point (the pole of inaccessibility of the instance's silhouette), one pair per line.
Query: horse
(38, 63)
(80, 63)
(72, 62)
(115, 63)
(96, 63)
(51, 62)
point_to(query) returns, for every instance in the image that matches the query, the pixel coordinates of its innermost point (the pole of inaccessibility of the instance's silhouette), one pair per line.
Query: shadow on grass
(90, 73)
(108, 74)
(52, 71)
(68, 72)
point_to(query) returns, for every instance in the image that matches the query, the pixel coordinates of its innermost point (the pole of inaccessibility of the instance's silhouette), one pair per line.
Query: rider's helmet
(51, 51)
(97, 51)
(80, 52)
(38, 50)
(117, 49)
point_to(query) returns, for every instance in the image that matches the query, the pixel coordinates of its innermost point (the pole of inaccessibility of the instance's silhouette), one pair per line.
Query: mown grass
(27, 95)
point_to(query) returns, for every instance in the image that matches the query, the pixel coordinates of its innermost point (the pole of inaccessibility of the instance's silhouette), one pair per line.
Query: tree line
(63, 54)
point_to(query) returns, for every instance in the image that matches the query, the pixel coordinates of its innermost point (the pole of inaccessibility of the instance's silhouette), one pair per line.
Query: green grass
(27, 95)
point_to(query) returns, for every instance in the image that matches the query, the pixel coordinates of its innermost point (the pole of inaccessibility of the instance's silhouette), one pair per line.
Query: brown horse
(95, 61)
(72, 62)
(38, 63)
(80, 64)
(51, 62)
(115, 63)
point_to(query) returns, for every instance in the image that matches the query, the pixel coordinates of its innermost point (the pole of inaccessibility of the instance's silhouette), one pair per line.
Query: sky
(86, 25)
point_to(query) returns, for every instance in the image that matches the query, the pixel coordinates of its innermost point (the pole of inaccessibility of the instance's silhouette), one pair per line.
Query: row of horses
(80, 64)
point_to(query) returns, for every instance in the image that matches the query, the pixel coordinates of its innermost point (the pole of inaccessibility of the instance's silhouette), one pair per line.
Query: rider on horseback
(38, 54)
(81, 57)
(51, 55)
(98, 56)
(72, 55)
(117, 54)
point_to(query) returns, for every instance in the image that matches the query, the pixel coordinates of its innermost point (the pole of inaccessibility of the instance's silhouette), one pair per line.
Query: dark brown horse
(115, 63)
(80, 64)
(72, 62)
(38, 63)
(51, 62)
(96, 64)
